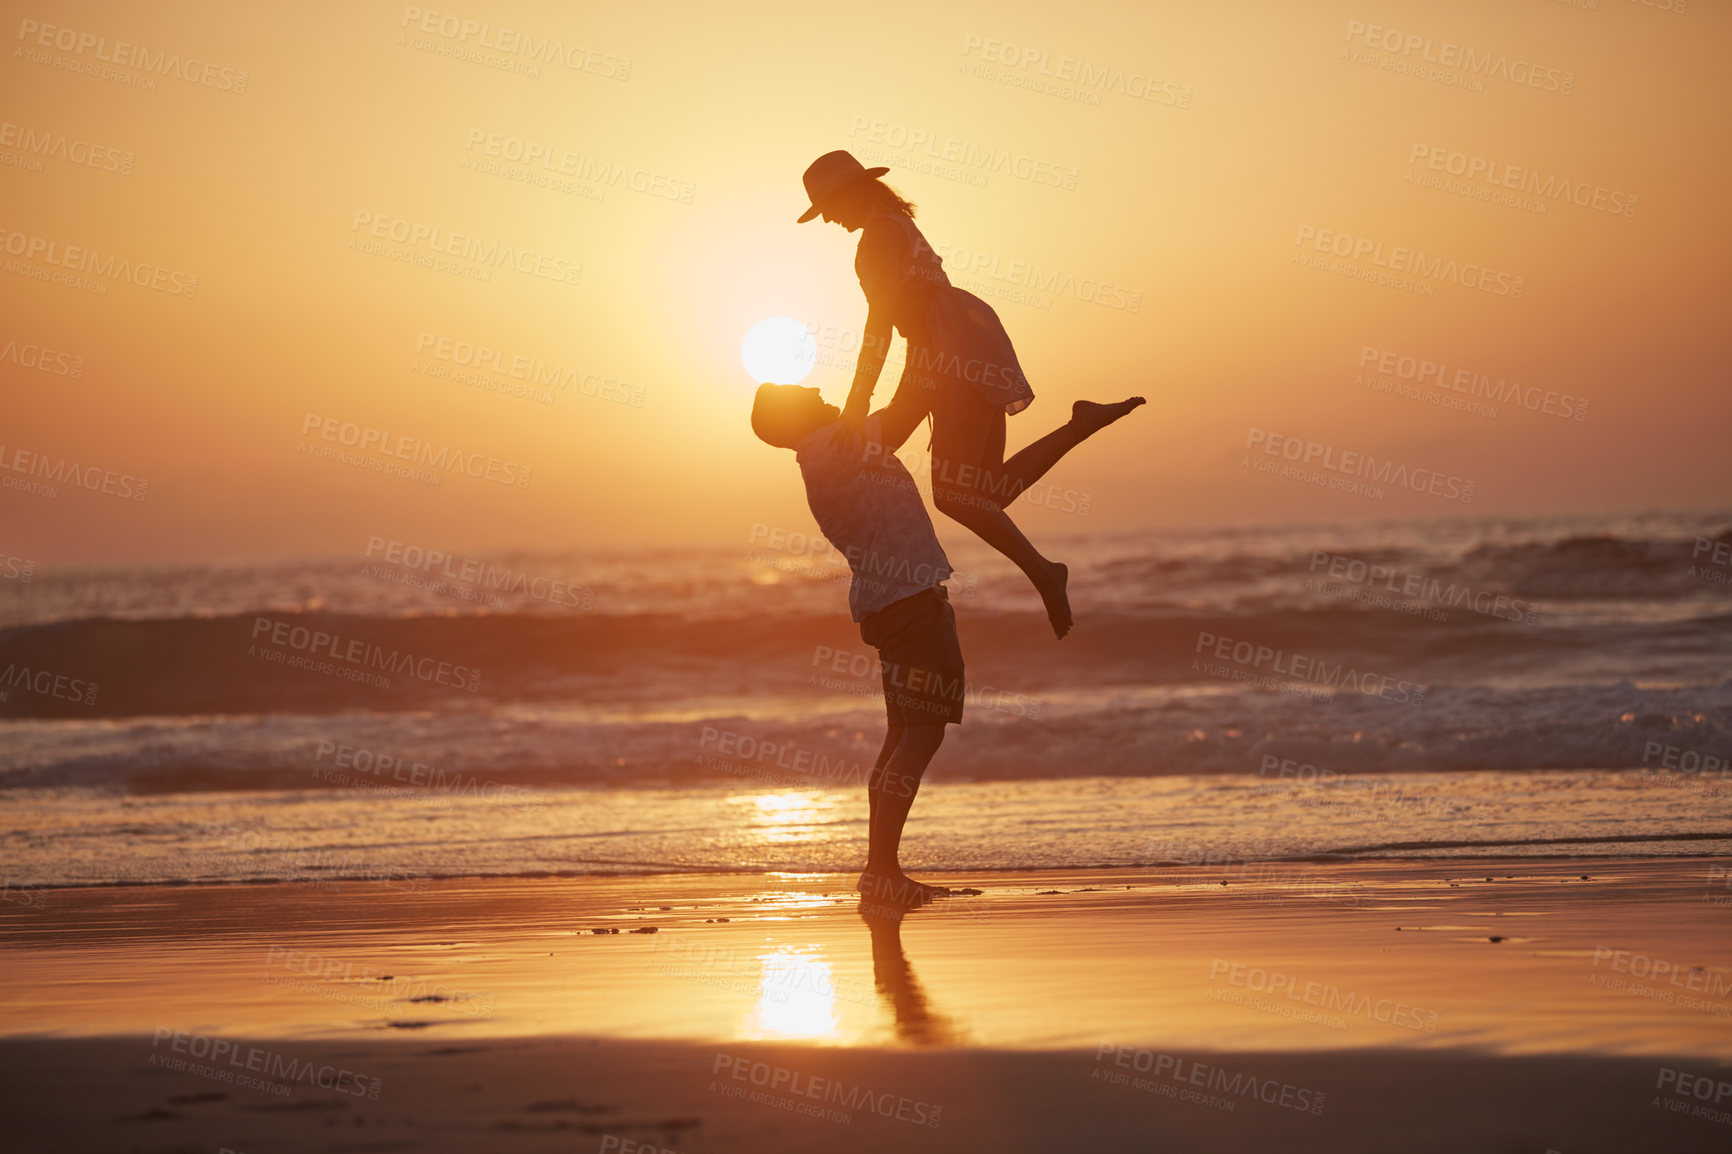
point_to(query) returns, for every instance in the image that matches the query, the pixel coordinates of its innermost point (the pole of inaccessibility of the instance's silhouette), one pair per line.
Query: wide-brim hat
(831, 173)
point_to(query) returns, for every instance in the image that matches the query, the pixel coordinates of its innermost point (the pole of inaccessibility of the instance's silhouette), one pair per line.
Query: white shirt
(867, 506)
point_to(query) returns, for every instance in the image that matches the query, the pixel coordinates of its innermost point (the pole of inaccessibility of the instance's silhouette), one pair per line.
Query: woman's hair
(877, 193)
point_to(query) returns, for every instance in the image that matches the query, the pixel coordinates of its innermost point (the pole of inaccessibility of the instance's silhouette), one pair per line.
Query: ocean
(1445, 688)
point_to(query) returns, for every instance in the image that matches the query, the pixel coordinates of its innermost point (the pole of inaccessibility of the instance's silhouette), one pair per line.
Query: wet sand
(1562, 1004)
(604, 1094)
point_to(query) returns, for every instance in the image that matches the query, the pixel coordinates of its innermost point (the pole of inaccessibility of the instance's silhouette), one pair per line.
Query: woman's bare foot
(1057, 601)
(1094, 417)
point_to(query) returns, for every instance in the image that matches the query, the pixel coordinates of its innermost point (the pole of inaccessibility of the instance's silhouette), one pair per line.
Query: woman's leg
(1086, 419)
(969, 485)
(1006, 480)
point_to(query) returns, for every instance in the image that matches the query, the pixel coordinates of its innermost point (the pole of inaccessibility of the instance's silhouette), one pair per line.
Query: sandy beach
(1523, 1004)
(510, 513)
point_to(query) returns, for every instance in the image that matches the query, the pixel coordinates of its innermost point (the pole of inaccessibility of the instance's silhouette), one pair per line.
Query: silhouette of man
(915, 1020)
(867, 506)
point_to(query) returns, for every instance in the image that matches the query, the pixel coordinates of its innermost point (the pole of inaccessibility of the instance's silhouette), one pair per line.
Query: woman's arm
(879, 266)
(874, 348)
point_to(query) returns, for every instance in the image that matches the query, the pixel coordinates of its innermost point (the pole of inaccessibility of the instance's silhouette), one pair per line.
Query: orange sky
(1217, 137)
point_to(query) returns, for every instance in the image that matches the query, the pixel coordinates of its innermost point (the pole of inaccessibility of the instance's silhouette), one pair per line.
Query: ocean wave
(1642, 558)
(323, 663)
(1601, 566)
(1682, 736)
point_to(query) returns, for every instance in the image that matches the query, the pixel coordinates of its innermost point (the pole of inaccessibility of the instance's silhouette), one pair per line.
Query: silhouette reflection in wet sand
(916, 1022)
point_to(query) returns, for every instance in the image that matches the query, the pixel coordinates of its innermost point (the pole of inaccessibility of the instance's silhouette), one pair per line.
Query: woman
(961, 370)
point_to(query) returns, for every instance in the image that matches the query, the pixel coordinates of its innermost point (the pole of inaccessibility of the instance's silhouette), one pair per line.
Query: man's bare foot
(897, 890)
(929, 891)
(1057, 601)
(1094, 417)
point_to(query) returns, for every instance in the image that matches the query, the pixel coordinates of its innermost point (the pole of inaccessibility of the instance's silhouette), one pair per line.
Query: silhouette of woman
(961, 371)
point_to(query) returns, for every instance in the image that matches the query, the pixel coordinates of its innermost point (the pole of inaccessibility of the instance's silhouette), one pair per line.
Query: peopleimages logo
(1411, 260)
(797, 1085)
(1478, 65)
(1501, 176)
(471, 571)
(730, 745)
(1303, 668)
(515, 42)
(59, 146)
(437, 242)
(1331, 999)
(83, 259)
(534, 371)
(15, 568)
(419, 774)
(581, 166)
(1683, 760)
(43, 359)
(913, 679)
(60, 471)
(125, 55)
(1306, 454)
(1089, 78)
(1234, 1086)
(238, 1059)
(1352, 570)
(363, 654)
(1026, 274)
(367, 440)
(1436, 374)
(1704, 1088)
(47, 683)
(954, 150)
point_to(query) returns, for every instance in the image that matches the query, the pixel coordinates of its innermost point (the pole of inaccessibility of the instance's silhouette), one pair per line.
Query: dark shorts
(921, 656)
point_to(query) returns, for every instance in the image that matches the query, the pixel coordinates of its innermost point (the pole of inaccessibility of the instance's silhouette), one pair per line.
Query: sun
(779, 351)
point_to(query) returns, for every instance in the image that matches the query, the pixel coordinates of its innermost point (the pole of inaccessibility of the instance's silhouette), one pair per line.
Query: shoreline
(1402, 853)
(338, 837)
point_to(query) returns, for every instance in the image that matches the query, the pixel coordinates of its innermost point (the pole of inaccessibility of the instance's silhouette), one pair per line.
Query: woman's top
(953, 335)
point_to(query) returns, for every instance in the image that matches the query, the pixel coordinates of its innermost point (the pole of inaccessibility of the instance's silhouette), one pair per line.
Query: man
(867, 506)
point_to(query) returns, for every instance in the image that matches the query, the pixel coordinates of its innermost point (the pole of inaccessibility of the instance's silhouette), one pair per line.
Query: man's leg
(891, 793)
(892, 738)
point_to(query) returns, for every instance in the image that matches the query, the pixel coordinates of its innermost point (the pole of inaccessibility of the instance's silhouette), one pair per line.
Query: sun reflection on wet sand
(796, 998)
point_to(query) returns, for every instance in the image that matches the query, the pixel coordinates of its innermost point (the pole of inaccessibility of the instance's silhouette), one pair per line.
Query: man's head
(784, 415)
